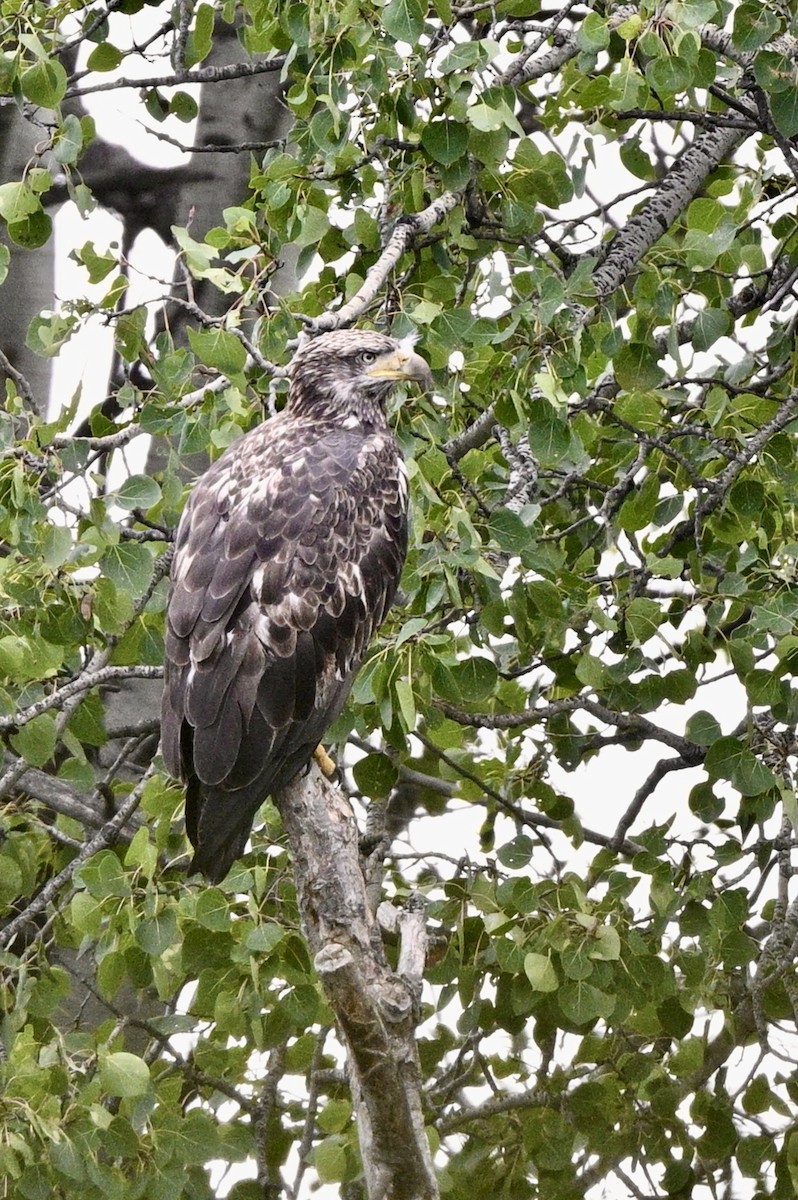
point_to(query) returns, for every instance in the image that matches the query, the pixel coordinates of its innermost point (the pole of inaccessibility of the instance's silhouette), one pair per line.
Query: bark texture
(375, 1007)
(29, 287)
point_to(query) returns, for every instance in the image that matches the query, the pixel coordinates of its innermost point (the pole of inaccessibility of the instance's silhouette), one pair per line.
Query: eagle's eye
(367, 357)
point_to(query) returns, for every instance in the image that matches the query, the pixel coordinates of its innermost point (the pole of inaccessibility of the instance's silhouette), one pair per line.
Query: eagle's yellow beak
(402, 363)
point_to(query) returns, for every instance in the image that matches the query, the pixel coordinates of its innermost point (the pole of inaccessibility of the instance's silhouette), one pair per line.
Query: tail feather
(219, 821)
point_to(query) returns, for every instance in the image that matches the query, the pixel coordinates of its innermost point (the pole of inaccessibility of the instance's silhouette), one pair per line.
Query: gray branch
(682, 183)
(405, 232)
(107, 836)
(376, 1010)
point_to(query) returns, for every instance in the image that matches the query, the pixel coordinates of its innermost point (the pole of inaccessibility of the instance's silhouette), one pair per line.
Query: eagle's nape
(286, 561)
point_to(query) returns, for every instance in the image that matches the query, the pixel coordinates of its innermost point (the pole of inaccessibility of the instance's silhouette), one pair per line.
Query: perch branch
(376, 1010)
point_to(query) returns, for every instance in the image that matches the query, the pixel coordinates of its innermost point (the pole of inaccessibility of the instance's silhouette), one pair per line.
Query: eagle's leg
(326, 764)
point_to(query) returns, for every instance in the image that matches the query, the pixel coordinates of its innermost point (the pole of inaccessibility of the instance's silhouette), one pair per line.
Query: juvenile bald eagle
(286, 562)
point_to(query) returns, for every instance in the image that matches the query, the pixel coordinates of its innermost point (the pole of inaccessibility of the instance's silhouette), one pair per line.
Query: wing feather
(286, 562)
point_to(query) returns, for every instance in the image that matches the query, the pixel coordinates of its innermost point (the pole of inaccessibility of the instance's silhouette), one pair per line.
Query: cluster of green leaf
(618, 535)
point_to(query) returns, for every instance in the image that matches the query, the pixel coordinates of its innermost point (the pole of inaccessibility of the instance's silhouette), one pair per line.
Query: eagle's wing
(286, 562)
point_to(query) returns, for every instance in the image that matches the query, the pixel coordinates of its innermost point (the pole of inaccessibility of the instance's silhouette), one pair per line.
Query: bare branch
(107, 836)
(375, 1009)
(405, 232)
(81, 683)
(201, 75)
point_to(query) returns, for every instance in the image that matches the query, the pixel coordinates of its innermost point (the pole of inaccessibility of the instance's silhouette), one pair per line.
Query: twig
(106, 837)
(405, 232)
(202, 75)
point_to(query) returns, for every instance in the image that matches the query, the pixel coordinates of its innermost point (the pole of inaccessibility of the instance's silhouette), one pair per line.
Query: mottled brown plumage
(286, 562)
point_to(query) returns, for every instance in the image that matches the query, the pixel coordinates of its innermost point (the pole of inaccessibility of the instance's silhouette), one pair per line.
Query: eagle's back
(287, 560)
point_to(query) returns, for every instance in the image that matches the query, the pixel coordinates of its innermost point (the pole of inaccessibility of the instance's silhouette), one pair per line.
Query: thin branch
(405, 232)
(202, 75)
(633, 722)
(23, 387)
(81, 683)
(664, 767)
(106, 838)
(534, 821)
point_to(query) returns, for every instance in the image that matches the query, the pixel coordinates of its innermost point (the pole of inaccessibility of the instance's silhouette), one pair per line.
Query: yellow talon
(326, 764)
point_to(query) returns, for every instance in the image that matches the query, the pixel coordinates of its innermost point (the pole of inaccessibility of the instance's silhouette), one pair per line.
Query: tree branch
(376, 1010)
(682, 183)
(81, 683)
(202, 75)
(106, 837)
(405, 232)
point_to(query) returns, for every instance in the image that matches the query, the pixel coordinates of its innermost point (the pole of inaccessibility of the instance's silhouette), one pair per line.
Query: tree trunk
(29, 286)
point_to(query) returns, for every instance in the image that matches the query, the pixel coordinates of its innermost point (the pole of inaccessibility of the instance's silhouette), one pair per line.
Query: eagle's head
(351, 371)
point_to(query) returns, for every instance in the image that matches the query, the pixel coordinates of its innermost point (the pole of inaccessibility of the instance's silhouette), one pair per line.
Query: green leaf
(125, 1075)
(635, 159)
(773, 71)
(17, 201)
(104, 876)
(68, 141)
(540, 972)
(445, 141)
(637, 510)
(31, 232)
(213, 910)
(44, 83)
(703, 729)
(643, 618)
(129, 335)
(98, 265)
(184, 107)
(594, 33)
(200, 39)
(404, 20)
(335, 1116)
(9, 67)
(637, 367)
(48, 333)
(219, 349)
(549, 435)
(669, 75)
(474, 679)
(37, 740)
(329, 1159)
(142, 853)
(517, 853)
(129, 566)
(407, 703)
(156, 934)
(754, 24)
(375, 775)
(104, 57)
(485, 118)
(138, 491)
(709, 325)
(784, 107)
(198, 255)
(606, 945)
(57, 546)
(264, 938)
(584, 1003)
(728, 758)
